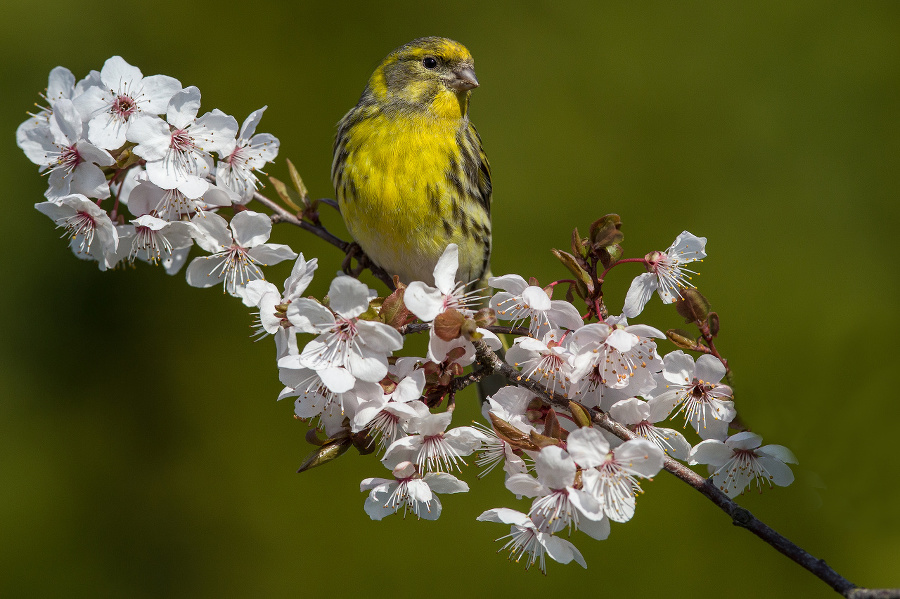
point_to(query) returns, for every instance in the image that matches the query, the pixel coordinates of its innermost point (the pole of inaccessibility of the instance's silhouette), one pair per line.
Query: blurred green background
(143, 454)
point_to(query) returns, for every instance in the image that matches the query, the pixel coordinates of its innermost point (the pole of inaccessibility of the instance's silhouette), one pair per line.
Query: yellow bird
(409, 171)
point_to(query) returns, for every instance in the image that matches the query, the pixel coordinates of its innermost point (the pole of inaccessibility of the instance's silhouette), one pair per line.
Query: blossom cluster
(134, 173)
(117, 141)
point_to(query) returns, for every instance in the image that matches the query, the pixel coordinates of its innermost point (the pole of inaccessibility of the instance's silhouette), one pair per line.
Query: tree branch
(350, 249)
(491, 363)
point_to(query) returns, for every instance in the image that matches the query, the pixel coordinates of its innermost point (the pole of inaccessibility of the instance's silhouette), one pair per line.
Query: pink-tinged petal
(662, 405)
(639, 293)
(176, 260)
(713, 429)
(248, 128)
(431, 511)
(438, 349)
(511, 283)
(441, 482)
(419, 490)
(565, 315)
(587, 446)
(338, 380)
(640, 456)
(376, 504)
(91, 102)
(503, 515)
(776, 470)
(271, 253)
(536, 299)
(379, 337)
(117, 74)
(144, 198)
(370, 483)
(779, 452)
(561, 550)
(687, 247)
(596, 529)
(309, 316)
(89, 180)
(153, 136)
(66, 121)
(157, 92)
(465, 439)
(645, 331)
(630, 411)
(371, 367)
(214, 195)
(263, 148)
(212, 230)
(744, 440)
(402, 450)
(423, 301)
(205, 271)
(525, 485)
(349, 297)
(431, 424)
(732, 482)
(251, 293)
(622, 340)
(91, 153)
(60, 84)
(500, 302)
(678, 448)
(183, 107)
(712, 452)
(678, 368)
(445, 269)
(107, 133)
(251, 228)
(410, 387)
(709, 369)
(215, 132)
(588, 505)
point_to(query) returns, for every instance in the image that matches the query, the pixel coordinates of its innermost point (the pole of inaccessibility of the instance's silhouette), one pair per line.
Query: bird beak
(463, 79)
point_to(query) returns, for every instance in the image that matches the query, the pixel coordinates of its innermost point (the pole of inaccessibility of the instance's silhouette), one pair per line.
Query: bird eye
(429, 62)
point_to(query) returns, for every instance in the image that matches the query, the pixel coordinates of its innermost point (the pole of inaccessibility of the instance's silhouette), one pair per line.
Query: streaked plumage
(409, 170)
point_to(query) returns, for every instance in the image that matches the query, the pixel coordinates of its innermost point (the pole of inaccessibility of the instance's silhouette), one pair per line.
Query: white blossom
(238, 158)
(121, 96)
(238, 250)
(667, 274)
(432, 447)
(409, 490)
(527, 540)
(695, 390)
(519, 301)
(611, 475)
(345, 340)
(92, 234)
(177, 150)
(558, 504)
(642, 416)
(739, 461)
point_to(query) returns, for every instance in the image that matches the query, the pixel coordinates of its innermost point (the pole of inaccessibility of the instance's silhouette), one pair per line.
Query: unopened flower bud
(680, 338)
(692, 305)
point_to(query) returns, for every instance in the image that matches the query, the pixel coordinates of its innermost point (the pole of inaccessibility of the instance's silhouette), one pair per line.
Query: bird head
(431, 74)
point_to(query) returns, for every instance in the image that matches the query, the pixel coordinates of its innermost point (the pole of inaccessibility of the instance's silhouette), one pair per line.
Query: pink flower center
(124, 106)
(69, 158)
(181, 141)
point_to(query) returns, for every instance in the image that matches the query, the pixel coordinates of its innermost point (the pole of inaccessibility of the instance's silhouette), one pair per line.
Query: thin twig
(283, 215)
